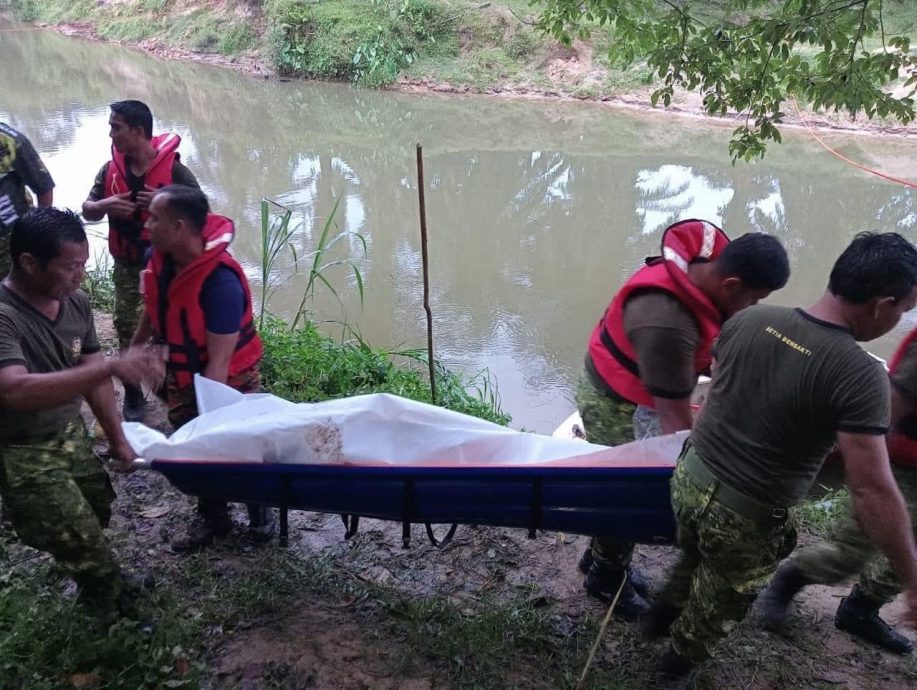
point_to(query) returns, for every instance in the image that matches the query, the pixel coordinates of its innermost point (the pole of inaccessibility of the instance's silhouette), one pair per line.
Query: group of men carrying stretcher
(788, 385)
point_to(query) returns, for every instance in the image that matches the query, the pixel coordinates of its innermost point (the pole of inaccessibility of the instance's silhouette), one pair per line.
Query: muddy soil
(326, 644)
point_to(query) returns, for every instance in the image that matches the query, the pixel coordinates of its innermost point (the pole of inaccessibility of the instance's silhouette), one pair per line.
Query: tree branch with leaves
(751, 56)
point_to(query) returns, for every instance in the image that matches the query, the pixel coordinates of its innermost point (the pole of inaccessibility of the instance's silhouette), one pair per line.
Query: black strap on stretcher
(352, 521)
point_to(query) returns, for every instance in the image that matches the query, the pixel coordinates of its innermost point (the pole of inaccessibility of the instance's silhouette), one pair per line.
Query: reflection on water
(537, 210)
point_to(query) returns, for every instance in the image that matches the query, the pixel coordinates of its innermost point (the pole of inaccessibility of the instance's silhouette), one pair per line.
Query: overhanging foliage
(751, 56)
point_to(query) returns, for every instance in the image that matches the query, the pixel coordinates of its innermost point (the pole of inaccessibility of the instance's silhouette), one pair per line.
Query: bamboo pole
(426, 271)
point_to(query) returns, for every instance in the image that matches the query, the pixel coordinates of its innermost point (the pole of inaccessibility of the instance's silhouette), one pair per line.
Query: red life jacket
(124, 241)
(610, 351)
(172, 301)
(902, 449)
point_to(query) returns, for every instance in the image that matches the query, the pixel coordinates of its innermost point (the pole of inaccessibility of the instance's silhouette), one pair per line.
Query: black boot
(674, 672)
(775, 600)
(585, 561)
(133, 407)
(212, 520)
(858, 614)
(603, 584)
(635, 577)
(660, 618)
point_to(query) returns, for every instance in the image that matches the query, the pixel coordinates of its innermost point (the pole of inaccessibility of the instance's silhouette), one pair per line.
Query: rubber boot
(858, 614)
(133, 407)
(674, 672)
(635, 577)
(776, 599)
(262, 523)
(603, 584)
(212, 520)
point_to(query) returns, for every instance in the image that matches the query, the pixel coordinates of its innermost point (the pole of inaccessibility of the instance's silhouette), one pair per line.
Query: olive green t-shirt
(665, 337)
(784, 384)
(31, 339)
(905, 382)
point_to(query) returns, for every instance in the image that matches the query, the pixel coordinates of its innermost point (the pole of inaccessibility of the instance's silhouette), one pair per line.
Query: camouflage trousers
(612, 422)
(128, 302)
(726, 558)
(182, 407)
(849, 551)
(58, 497)
(5, 261)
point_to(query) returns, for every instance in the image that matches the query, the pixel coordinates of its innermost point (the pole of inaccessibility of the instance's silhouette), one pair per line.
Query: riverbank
(460, 48)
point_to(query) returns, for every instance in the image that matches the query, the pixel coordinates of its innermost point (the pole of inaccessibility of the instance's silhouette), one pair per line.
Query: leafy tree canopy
(751, 56)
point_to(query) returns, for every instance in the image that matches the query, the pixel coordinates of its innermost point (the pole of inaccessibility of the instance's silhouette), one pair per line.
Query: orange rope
(871, 171)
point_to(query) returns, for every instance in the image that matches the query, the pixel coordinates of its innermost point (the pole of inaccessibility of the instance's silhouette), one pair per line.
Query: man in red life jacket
(850, 551)
(646, 353)
(197, 303)
(140, 164)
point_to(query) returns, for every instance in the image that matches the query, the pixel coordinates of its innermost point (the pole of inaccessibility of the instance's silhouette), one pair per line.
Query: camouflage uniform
(58, 497)
(128, 302)
(849, 551)
(726, 558)
(5, 261)
(612, 422)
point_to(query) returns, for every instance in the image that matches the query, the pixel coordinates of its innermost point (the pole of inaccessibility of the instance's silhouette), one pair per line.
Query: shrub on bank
(368, 42)
(305, 366)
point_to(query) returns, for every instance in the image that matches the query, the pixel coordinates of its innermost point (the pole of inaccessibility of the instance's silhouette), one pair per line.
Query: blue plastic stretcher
(631, 503)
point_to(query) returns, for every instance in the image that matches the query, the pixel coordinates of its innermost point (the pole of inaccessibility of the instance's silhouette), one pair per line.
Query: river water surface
(537, 210)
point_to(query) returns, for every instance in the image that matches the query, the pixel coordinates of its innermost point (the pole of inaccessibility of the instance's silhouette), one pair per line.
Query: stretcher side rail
(630, 503)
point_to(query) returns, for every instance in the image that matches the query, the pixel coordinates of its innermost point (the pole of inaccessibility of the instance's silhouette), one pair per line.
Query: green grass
(818, 516)
(304, 365)
(205, 28)
(46, 639)
(99, 285)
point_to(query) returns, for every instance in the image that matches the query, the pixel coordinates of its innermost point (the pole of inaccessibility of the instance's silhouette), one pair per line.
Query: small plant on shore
(278, 232)
(818, 516)
(276, 240)
(321, 263)
(98, 283)
(379, 60)
(303, 365)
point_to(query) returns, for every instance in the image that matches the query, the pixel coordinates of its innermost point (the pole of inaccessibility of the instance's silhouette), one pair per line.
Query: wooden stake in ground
(598, 637)
(426, 271)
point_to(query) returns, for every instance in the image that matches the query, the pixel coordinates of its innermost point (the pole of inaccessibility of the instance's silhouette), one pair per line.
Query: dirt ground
(325, 643)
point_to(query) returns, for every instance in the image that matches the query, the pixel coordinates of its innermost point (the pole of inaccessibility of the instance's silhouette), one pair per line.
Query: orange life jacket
(125, 241)
(172, 302)
(902, 449)
(612, 354)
